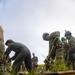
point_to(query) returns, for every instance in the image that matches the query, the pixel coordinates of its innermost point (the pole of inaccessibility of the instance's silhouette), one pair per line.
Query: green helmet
(68, 33)
(63, 38)
(44, 35)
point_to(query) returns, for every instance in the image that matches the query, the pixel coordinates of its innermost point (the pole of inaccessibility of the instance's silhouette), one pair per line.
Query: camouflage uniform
(56, 50)
(59, 50)
(71, 42)
(2, 48)
(67, 49)
(1, 56)
(7, 63)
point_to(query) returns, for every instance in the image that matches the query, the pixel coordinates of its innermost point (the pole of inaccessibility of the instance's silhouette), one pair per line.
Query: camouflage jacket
(71, 42)
(58, 48)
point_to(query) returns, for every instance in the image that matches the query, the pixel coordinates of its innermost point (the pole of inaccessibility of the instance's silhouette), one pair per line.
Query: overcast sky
(26, 20)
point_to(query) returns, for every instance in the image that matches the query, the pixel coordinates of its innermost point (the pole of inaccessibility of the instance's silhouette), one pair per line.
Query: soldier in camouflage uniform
(1, 56)
(3, 65)
(67, 48)
(71, 42)
(56, 50)
(2, 48)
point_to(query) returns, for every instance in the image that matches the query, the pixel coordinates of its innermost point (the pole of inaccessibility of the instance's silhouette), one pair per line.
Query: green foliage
(56, 67)
(33, 73)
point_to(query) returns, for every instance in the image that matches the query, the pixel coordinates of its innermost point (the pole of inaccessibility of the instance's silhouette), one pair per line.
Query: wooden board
(60, 73)
(53, 73)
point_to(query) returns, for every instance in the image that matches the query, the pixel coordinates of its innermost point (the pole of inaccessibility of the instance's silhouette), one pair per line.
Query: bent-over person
(22, 53)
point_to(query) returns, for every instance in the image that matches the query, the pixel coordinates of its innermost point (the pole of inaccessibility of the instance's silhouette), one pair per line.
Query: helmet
(63, 38)
(44, 35)
(9, 41)
(68, 33)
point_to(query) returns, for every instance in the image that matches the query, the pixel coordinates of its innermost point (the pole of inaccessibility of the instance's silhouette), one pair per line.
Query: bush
(56, 67)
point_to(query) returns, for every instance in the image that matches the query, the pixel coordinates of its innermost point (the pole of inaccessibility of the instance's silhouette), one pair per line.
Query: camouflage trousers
(72, 59)
(1, 63)
(60, 55)
(1, 56)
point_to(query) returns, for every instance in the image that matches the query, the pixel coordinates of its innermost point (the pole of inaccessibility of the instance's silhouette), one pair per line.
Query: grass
(41, 69)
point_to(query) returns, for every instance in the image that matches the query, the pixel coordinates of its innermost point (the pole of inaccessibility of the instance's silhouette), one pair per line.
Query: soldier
(22, 53)
(34, 61)
(67, 48)
(71, 42)
(2, 48)
(56, 51)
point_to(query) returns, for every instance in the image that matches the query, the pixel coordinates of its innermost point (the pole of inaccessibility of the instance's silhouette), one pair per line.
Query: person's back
(17, 47)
